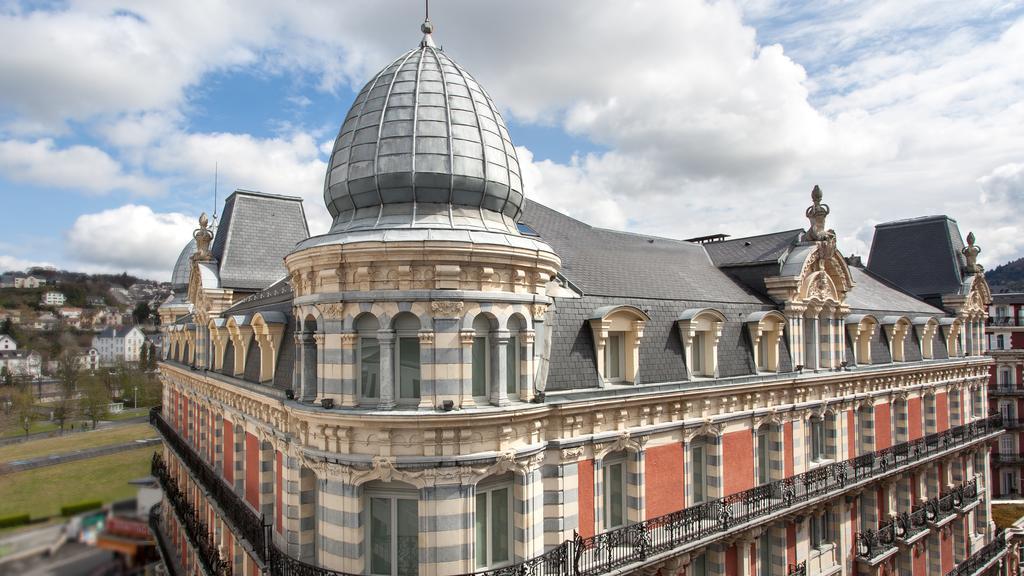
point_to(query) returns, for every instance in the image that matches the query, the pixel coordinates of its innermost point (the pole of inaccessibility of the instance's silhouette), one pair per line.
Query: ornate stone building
(457, 380)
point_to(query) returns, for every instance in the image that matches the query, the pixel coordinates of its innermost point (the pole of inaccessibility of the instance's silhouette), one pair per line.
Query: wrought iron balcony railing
(641, 542)
(982, 558)
(1005, 389)
(168, 556)
(1013, 423)
(1004, 459)
(198, 533)
(798, 569)
(249, 526)
(872, 544)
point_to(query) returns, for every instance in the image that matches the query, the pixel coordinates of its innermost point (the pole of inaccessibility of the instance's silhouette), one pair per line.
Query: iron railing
(166, 554)
(978, 560)
(798, 569)
(249, 526)
(1008, 459)
(1005, 389)
(195, 528)
(635, 543)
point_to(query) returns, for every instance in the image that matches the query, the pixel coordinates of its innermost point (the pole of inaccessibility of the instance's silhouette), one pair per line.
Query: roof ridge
(766, 234)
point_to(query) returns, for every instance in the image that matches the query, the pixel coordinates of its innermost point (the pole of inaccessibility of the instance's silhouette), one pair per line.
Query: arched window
(368, 359)
(765, 330)
(617, 332)
(896, 328)
(926, 327)
(862, 329)
(309, 360)
(702, 462)
(699, 330)
(613, 490)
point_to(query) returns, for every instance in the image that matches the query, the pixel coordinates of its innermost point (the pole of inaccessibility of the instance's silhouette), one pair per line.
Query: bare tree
(95, 400)
(24, 408)
(68, 374)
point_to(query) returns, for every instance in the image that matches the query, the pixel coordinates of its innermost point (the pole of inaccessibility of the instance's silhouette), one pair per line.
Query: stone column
(466, 369)
(386, 339)
(499, 371)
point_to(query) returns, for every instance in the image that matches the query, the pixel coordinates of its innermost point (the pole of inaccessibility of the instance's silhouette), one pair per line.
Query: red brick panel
(851, 425)
(228, 461)
(947, 551)
(790, 543)
(737, 461)
(663, 479)
(586, 490)
(787, 441)
(252, 470)
(914, 418)
(942, 411)
(883, 427)
(731, 561)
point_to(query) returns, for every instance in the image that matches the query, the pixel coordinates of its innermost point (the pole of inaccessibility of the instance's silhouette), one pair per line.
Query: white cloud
(130, 238)
(84, 168)
(12, 263)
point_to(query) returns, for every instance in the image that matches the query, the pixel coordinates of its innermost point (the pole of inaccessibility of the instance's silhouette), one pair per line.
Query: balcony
(252, 529)
(1005, 389)
(1004, 321)
(171, 565)
(1013, 423)
(983, 559)
(653, 540)
(1008, 459)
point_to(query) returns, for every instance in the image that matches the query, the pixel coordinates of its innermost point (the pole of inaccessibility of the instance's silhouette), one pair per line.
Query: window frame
(361, 397)
(487, 491)
(699, 466)
(396, 360)
(485, 398)
(618, 460)
(392, 496)
(512, 367)
(618, 337)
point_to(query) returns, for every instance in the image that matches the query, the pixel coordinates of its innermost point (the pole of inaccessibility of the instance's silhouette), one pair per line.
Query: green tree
(144, 356)
(7, 327)
(142, 312)
(68, 374)
(95, 400)
(6, 377)
(23, 406)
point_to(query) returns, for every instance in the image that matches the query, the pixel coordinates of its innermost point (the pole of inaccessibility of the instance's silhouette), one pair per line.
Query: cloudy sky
(679, 118)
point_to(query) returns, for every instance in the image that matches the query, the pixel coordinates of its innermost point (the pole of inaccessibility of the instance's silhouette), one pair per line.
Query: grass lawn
(43, 491)
(129, 413)
(76, 441)
(1006, 514)
(37, 426)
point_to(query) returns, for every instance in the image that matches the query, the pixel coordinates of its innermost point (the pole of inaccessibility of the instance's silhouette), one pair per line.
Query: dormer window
(861, 329)
(699, 330)
(896, 328)
(765, 330)
(926, 328)
(951, 328)
(617, 332)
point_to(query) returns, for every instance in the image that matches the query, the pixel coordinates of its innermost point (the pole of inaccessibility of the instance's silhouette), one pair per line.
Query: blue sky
(682, 119)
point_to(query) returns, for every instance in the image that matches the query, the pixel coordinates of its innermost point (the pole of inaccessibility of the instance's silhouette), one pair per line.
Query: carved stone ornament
(970, 253)
(572, 454)
(203, 237)
(446, 308)
(333, 311)
(817, 213)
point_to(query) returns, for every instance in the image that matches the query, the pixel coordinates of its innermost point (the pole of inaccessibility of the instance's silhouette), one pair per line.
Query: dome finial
(427, 28)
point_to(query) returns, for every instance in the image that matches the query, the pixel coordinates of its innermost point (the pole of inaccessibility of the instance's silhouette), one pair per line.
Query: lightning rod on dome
(427, 27)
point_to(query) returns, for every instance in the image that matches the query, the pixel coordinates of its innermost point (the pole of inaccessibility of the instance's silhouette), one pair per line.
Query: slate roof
(873, 294)
(255, 233)
(605, 262)
(1008, 298)
(931, 243)
(115, 332)
(763, 249)
(277, 293)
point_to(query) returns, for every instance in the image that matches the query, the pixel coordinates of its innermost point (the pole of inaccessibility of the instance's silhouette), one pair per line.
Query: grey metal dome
(183, 267)
(423, 146)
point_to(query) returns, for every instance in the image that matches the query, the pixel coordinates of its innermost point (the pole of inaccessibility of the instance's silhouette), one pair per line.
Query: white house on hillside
(119, 344)
(7, 343)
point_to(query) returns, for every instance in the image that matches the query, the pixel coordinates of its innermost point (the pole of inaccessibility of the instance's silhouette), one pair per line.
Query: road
(73, 559)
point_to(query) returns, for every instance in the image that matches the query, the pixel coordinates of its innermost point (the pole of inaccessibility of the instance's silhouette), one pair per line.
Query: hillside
(1007, 278)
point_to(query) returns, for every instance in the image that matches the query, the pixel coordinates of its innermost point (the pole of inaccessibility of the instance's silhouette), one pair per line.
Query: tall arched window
(392, 528)
(483, 325)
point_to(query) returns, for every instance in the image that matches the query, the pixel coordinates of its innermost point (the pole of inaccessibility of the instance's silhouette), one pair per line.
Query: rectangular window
(613, 352)
(512, 367)
(763, 476)
(697, 476)
(762, 352)
(817, 440)
(409, 368)
(810, 339)
(700, 566)
(615, 495)
(480, 367)
(824, 344)
(821, 529)
(699, 350)
(394, 536)
(493, 527)
(369, 367)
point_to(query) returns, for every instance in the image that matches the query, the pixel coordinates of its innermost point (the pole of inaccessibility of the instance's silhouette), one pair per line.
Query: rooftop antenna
(216, 166)
(427, 27)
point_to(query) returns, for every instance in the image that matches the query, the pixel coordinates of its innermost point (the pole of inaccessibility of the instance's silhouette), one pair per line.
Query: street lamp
(135, 392)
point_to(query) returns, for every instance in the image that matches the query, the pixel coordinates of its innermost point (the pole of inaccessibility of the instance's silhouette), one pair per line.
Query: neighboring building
(71, 316)
(96, 301)
(120, 344)
(13, 315)
(21, 362)
(53, 299)
(29, 282)
(1005, 333)
(7, 343)
(46, 322)
(90, 360)
(456, 380)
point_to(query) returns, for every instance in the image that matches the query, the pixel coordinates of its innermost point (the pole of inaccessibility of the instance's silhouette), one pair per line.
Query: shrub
(72, 509)
(15, 520)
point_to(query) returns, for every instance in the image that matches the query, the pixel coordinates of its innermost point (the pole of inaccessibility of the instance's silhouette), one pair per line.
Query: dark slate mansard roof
(932, 243)
(255, 233)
